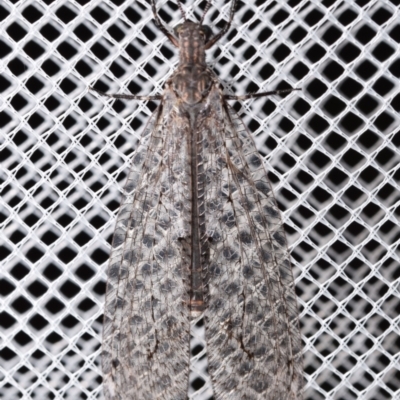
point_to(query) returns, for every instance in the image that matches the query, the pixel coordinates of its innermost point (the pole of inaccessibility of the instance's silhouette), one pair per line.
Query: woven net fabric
(332, 151)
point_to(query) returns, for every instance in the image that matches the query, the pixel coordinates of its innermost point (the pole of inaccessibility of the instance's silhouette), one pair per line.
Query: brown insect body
(192, 83)
(199, 234)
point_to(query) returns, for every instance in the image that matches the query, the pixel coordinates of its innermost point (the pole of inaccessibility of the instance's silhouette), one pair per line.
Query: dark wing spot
(245, 237)
(263, 289)
(164, 347)
(165, 382)
(261, 351)
(146, 269)
(106, 366)
(119, 237)
(165, 253)
(113, 271)
(267, 325)
(120, 302)
(281, 309)
(271, 212)
(217, 304)
(255, 160)
(219, 338)
(232, 289)
(214, 205)
(214, 237)
(285, 269)
(130, 256)
(147, 205)
(178, 206)
(280, 238)
(221, 162)
(245, 368)
(227, 190)
(138, 159)
(235, 322)
(167, 286)
(130, 186)
(263, 187)
(266, 255)
(115, 362)
(123, 272)
(230, 384)
(136, 320)
(164, 223)
(136, 285)
(150, 304)
(262, 384)
(215, 270)
(148, 241)
(134, 222)
(248, 271)
(150, 269)
(170, 322)
(259, 219)
(230, 254)
(247, 204)
(228, 219)
(227, 351)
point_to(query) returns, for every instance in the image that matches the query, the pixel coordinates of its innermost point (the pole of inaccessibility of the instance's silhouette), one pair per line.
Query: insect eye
(177, 29)
(206, 32)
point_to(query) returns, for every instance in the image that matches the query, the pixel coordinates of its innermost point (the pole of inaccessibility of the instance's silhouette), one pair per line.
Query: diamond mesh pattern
(332, 151)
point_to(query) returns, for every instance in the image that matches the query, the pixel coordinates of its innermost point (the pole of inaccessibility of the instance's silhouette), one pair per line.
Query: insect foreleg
(126, 96)
(256, 95)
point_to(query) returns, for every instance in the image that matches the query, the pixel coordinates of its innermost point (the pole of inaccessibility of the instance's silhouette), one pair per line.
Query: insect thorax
(193, 79)
(192, 83)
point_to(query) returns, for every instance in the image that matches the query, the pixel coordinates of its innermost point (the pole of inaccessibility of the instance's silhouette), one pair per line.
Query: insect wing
(251, 318)
(146, 326)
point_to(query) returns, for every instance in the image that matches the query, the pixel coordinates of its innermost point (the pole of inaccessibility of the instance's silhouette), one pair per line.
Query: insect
(199, 234)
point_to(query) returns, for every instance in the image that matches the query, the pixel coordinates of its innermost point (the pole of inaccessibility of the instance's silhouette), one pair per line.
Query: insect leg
(126, 96)
(256, 95)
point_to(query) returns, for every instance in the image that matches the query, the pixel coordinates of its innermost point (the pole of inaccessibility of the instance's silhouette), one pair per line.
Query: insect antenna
(225, 29)
(182, 10)
(161, 26)
(208, 6)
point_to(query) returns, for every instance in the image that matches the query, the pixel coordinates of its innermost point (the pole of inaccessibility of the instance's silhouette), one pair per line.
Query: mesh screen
(332, 151)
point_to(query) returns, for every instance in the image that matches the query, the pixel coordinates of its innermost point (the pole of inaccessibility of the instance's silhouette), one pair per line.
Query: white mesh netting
(332, 152)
